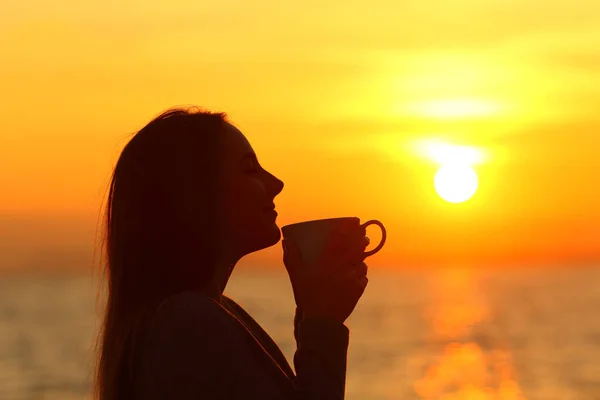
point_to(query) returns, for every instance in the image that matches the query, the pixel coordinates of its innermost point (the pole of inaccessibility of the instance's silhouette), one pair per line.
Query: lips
(270, 209)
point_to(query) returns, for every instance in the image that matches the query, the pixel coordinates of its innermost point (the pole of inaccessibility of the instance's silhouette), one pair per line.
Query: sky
(336, 98)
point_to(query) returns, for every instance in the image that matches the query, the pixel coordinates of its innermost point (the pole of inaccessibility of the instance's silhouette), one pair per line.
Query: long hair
(159, 226)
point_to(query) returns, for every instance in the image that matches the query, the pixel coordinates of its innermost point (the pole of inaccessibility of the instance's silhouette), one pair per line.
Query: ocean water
(439, 334)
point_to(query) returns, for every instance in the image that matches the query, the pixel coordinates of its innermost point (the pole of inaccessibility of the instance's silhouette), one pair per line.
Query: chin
(273, 237)
(269, 238)
(276, 234)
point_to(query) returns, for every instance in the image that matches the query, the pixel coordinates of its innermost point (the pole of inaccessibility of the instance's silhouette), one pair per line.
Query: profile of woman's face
(248, 195)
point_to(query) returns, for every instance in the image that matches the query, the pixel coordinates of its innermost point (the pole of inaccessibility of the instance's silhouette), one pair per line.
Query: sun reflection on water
(465, 369)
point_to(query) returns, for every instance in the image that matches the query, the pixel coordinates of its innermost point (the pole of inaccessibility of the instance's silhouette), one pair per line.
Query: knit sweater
(199, 348)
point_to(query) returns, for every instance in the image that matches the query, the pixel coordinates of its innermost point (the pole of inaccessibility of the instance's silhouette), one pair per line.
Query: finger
(358, 284)
(359, 238)
(363, 282)
(358, 269)
(362, 268)
(358, 246)
(345, 246)
(351, 271)
(355, 253)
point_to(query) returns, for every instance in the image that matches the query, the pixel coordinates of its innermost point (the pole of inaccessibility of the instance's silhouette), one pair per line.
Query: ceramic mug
(311, 236)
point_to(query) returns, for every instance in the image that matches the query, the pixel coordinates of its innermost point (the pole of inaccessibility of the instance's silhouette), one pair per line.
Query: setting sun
(455, 182)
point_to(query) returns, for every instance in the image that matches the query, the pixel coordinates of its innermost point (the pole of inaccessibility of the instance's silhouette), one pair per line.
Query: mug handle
(383, 236)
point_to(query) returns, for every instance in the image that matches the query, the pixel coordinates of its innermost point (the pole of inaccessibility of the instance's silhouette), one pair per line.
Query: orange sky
(333, 95)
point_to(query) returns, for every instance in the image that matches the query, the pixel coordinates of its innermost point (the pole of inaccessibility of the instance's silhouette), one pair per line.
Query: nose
(279, 186)
(276, 185)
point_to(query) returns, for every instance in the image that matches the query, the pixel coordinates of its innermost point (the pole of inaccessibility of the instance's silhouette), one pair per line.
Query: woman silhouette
(187, 200)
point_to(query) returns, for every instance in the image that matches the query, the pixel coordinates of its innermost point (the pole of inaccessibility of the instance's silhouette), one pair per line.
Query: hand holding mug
(325, 261)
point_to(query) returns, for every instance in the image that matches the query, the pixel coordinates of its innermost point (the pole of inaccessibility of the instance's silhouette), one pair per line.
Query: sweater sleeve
(320, 359)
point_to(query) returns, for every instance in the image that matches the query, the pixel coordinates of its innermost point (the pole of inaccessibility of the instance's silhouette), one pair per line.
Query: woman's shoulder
(188, 302)
(192, 346)
(192, 313)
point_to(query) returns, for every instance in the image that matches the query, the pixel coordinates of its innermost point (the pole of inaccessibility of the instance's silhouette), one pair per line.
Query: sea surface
(444, 334)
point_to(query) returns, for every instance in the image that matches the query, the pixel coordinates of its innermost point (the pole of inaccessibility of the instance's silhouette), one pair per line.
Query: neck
(219, 281)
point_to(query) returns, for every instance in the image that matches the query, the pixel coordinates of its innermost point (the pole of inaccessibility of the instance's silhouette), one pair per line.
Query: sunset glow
(445, 153)
(455, 108)
(333, 97)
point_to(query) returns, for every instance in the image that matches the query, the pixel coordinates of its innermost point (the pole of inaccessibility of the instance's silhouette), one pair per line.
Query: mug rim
(318, 220)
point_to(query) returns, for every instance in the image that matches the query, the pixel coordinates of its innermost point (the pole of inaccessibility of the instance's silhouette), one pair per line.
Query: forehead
(235, 144)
